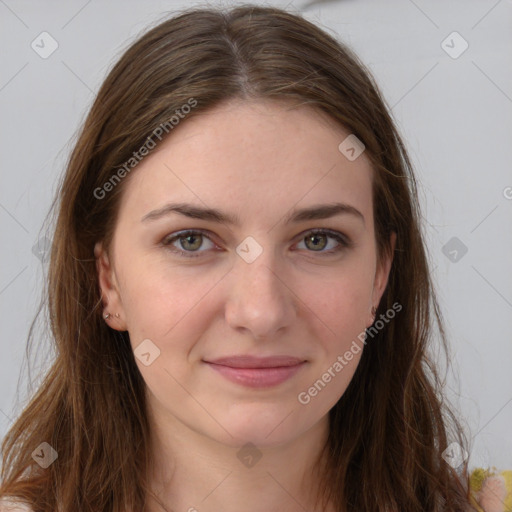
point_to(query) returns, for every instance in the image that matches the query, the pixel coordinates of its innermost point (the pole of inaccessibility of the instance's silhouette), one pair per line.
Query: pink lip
(257, 372)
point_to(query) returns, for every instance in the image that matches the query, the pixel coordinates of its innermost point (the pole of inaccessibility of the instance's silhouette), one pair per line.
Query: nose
(260, 301)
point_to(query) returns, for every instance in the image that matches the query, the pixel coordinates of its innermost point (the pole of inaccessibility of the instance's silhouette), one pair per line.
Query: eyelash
(339, 237)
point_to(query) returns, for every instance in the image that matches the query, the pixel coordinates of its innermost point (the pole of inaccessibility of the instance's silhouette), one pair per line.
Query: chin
(262, 425)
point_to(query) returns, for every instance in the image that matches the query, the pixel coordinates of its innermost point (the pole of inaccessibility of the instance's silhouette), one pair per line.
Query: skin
(259, 161)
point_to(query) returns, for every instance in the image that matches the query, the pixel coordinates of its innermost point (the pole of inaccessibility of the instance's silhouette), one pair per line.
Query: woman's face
(258, 284)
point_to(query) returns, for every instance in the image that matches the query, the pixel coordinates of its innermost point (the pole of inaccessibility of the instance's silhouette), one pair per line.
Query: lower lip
(257, 377)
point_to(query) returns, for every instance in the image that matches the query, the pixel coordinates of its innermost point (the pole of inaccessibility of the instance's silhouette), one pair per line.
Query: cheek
(340, 316)
(341, 304)
(167, 306)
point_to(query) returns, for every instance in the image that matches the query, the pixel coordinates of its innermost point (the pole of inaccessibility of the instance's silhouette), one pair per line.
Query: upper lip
(257, 362)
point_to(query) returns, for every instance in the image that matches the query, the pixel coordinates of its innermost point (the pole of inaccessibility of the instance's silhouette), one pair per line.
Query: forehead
(249, 158)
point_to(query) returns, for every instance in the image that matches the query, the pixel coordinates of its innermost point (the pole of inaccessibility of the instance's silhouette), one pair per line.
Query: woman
(238, 290)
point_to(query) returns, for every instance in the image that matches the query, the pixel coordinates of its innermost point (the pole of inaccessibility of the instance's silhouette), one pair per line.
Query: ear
(382, 273)
(109, 289)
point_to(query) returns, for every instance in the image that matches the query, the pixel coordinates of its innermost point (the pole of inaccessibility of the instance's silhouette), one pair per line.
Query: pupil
(191, 237)
(316, 237)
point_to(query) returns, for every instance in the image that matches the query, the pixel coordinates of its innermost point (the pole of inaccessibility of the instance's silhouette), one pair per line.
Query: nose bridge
(257, 259)
(259, 276)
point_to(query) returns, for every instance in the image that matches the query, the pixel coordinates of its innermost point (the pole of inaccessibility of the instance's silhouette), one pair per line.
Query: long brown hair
(389, 429)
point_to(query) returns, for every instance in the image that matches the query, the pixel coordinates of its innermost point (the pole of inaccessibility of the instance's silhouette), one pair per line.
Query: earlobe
(112, 311)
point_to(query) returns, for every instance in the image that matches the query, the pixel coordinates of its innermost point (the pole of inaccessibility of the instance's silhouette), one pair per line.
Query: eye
(317, 240)
(190, 241)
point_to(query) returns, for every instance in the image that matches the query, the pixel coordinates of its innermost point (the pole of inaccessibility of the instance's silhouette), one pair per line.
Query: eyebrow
(315, 212)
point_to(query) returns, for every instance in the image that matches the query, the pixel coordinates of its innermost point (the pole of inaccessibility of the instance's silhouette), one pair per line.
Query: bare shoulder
(11, 505)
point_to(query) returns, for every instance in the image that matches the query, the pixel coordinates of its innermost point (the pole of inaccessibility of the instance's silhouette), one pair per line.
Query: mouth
(257, 372)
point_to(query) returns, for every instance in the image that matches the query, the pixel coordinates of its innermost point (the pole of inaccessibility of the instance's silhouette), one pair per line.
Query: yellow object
(491, 489)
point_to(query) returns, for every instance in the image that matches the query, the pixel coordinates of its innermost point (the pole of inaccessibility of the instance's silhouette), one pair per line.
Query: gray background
(454, 113)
